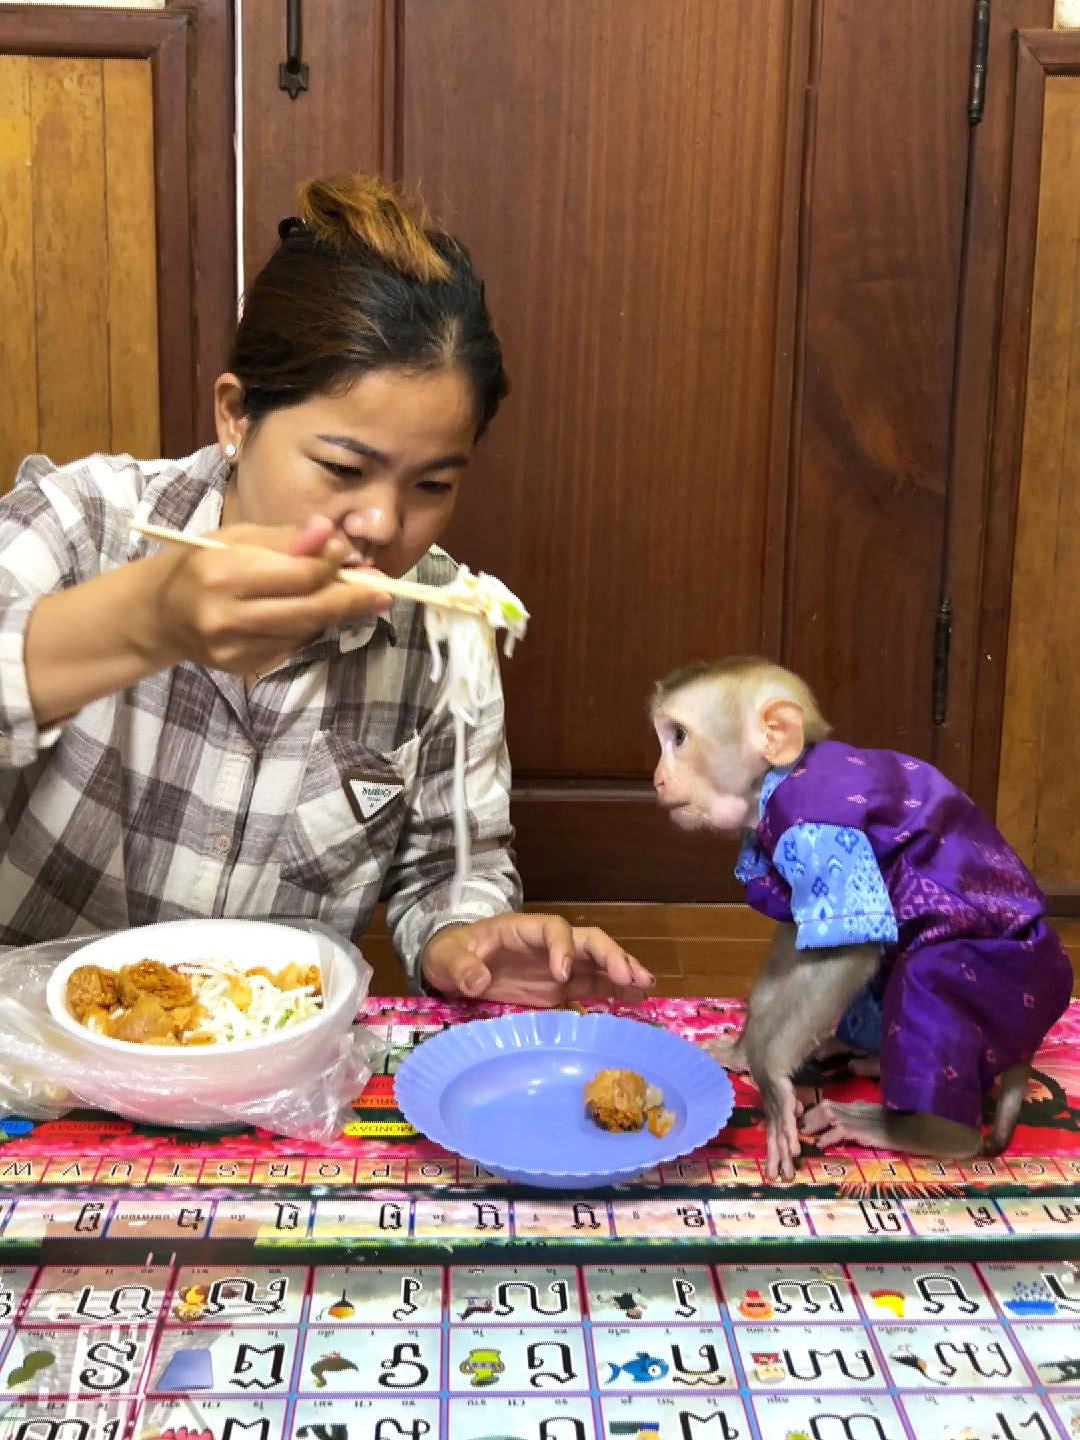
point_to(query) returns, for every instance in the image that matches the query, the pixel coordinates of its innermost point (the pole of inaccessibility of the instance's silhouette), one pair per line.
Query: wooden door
(117, 287)
(1032, 614)
(729, 430)
(723, 244)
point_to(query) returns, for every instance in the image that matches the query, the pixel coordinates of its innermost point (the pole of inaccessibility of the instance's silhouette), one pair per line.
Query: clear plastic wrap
(302, 1085)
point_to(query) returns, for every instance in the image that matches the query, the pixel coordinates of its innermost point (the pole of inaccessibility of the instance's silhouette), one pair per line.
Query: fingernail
(472, 982)
(564, 969)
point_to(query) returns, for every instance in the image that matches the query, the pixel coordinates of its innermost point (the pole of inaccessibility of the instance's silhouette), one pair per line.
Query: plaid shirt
(324, 788)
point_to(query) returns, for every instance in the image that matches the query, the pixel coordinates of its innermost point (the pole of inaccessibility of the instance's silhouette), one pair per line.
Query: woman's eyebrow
(457, 460)
(346, 442)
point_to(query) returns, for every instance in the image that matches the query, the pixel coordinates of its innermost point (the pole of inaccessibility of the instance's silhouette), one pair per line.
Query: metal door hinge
(942, 640)
(980, 52)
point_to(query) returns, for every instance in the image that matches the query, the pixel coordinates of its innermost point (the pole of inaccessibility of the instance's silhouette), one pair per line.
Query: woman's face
(382, 462)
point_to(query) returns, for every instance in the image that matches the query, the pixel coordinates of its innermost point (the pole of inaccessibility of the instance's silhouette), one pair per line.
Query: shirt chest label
(368, 797)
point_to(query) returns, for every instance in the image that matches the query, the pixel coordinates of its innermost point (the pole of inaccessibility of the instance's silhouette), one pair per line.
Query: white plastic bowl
(193, 1085)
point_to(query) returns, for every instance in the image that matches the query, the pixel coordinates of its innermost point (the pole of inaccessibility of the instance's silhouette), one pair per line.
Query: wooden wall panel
(78, 286)
(335, 125)
(132, 275)
(18, 333)
(71, 283)
(871, 453)
(1039, 796)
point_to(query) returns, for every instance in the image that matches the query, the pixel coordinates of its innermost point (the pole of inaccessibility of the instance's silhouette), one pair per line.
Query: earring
(230, 451)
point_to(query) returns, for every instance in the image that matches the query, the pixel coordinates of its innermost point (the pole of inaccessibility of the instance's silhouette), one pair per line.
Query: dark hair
(359, 283)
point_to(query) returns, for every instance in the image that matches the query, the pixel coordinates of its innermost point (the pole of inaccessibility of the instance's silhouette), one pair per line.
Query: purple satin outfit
(972, 977)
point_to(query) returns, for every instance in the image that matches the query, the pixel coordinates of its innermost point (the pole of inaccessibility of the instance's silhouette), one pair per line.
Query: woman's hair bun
(341, 211)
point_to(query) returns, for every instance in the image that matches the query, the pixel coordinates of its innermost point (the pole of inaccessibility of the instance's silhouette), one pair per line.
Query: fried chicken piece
(185, 1018)
(152, 978)
(147, 1022)
(620, 1100)
(98, 1021)
(91, 988)
(616, 1100)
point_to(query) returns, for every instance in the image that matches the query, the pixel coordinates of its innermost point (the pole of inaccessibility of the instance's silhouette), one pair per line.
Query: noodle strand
(472, 678)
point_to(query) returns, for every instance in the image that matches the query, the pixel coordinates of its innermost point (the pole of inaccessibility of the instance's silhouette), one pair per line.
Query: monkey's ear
(781, 732)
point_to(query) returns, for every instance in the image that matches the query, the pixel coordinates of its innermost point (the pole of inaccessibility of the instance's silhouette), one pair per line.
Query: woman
(188, 732)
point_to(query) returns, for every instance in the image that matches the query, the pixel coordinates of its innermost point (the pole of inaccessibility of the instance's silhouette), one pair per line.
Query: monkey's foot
(726, 1050)
(829, 1123)
(910, 1133)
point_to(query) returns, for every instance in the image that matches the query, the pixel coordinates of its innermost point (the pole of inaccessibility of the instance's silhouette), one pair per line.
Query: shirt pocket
(350, 809)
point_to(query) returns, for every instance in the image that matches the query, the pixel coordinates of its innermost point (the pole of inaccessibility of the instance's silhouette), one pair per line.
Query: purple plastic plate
(508, 1094)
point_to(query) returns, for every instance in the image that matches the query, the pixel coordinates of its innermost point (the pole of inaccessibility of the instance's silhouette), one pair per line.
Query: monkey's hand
(727, 1050)
(782, 1112)
(829, 1123)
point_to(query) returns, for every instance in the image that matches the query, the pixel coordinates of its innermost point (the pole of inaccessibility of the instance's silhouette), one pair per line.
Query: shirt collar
(355, 637)
(774, 778)
(392, 623)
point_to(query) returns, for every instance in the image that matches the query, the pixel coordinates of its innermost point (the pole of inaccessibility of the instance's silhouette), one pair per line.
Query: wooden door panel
(630, 208)
(68, 129)
(79, 347)
(888, 161)
(625, 204)
(1034, 554)
(616, 170)
(117, 265)
(335, 125)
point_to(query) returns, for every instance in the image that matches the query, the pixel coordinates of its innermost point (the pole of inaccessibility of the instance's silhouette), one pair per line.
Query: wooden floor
(691, 949)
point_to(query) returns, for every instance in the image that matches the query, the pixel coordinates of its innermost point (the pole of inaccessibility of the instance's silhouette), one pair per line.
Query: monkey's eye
(678, 736)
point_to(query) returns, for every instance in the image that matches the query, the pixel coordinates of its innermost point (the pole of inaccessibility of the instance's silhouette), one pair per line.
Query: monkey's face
(706, 779)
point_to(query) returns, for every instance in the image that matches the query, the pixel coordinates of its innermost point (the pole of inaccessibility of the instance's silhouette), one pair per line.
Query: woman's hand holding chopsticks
(243, 607)
(262, 596)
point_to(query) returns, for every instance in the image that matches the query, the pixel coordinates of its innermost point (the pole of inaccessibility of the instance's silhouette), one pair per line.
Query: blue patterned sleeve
(838, 896)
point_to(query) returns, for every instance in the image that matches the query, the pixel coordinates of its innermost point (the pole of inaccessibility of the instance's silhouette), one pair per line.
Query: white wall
(1067, 14)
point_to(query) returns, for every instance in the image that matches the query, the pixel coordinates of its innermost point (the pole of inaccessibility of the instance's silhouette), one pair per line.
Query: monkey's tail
(1010, 1099)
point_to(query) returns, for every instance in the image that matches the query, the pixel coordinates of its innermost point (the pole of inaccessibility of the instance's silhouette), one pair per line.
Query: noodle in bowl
(270, 1008)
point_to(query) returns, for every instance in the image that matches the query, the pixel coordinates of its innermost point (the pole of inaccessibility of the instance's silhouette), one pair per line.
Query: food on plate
(660, 1120)
(194, 1002)
(621, 1100)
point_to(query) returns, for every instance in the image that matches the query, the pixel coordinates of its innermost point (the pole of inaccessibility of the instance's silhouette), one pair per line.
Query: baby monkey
(907, 928)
